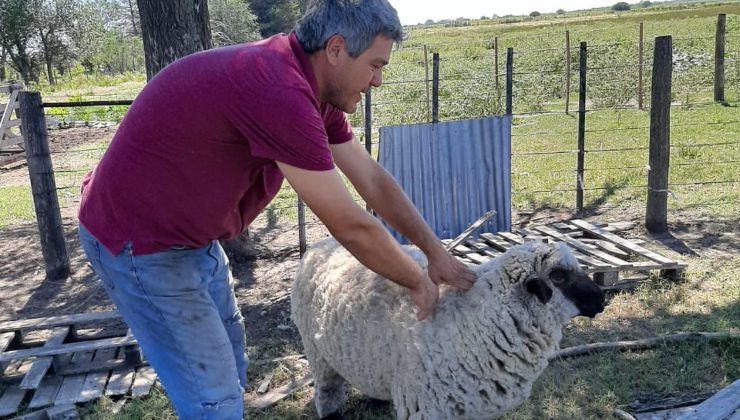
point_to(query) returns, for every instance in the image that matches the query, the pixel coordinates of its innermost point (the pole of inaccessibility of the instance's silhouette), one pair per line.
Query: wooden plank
(721, 406)
(95, 381)
(278, 394)
(145, 378)
(41, 365)
(623, 243)
(6, 339)
(46, 392)
(11, 399)
(469, 231)
(584, 248)
(496, 242)
(71, 387)
(511, 237)
(120, 382)
(67, 348)
(55, 321)
(606, 246)
(483, 248)
(9, 108)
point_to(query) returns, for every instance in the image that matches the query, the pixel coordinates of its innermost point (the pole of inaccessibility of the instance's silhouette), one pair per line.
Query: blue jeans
(180, 306)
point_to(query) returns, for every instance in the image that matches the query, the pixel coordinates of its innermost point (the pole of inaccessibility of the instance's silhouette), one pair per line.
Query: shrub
(621, 6)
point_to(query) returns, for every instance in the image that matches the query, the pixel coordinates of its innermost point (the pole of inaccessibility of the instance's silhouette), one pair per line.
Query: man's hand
(444, 268)
(424, 295)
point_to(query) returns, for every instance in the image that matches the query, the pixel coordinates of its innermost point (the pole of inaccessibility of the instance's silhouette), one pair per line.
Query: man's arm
(360, 233)
(386, 197)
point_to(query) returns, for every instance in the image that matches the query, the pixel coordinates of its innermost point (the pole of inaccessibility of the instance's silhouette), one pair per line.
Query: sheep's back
(353, 318)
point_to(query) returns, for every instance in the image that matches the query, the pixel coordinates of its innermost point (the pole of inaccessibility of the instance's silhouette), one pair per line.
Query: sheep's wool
(475, 357)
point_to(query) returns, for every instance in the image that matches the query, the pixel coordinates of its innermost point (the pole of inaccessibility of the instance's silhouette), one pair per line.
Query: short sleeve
(285, 124)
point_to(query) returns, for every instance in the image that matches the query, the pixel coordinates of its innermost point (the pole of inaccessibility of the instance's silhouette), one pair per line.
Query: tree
(275, 16)
(53, 20)
(16, 37)
(645, 4)
(535, 14)
(232, 22)
(172, 29)
(621, 6)
(560, 12)
(429, 22)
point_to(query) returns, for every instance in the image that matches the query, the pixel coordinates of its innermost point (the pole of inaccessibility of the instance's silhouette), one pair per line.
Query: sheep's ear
(539, 288)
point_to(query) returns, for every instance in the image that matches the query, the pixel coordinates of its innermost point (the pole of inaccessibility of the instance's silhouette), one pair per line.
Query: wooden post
(44, 188)
(509, 80)
(640, 63)
(660, 146)
(301, 227)
(567, 72)
(435, 87)
(426, 80)
(719, 59)
(581, 161)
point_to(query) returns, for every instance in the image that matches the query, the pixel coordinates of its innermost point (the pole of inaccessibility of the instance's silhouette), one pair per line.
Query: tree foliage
(275, 16)
(17, 38)
(535, 14)
(232, 22)
(621, 6)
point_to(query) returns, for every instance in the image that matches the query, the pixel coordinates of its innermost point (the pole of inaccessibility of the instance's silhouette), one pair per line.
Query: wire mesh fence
(545, 97)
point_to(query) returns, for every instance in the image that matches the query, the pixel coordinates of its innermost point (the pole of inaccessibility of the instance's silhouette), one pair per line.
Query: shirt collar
(305, 63)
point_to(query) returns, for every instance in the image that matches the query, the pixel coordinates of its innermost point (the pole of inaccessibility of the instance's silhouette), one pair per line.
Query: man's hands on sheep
(442, 269)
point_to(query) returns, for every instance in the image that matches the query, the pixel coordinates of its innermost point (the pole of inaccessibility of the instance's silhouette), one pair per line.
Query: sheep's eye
(558, 276)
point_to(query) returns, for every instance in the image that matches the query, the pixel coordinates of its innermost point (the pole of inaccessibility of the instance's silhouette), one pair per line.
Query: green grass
(16, 205)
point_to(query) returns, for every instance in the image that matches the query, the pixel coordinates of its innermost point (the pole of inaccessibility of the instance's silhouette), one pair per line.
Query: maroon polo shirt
(194, 158)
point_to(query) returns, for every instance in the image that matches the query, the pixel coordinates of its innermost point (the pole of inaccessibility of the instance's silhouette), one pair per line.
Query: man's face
(354, 76)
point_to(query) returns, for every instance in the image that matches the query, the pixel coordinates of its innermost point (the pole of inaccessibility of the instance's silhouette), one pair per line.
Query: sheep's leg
(328, 387)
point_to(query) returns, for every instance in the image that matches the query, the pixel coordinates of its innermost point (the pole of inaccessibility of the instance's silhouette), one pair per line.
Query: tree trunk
(172, 29)
(133, 18)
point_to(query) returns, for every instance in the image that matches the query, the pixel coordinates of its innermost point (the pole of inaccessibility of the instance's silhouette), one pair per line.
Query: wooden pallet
(68, 366)
(600, 252)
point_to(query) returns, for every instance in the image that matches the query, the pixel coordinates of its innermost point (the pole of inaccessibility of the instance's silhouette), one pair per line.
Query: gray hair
(357, 21)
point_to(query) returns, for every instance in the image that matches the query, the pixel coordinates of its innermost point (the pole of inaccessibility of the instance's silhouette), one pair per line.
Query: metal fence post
(719, 59)
(509, 80)
(426, 81)
(435, 87)
(640, 63)
(581, 160)
(660, 129)
(567, 72)
(302, 245)
(43, 185)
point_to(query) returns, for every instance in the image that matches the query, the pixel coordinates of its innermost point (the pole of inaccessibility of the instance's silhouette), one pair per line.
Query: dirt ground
(264, 276)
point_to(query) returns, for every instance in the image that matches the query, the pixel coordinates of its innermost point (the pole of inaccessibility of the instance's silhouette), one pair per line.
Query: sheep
(476, 356)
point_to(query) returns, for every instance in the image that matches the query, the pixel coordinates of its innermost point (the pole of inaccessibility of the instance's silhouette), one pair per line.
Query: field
(704, 199)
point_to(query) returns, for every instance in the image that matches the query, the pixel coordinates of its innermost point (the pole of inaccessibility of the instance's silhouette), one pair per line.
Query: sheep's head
(556, 267)
(543, 268)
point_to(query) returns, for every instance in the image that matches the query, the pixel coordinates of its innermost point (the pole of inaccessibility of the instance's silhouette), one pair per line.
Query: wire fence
(545, 101)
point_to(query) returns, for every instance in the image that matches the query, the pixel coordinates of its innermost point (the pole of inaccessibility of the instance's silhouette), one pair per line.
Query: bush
(560, 12)
(621, 6)
(535, 14)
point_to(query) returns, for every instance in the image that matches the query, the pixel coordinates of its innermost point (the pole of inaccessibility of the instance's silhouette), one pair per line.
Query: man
(203, 149)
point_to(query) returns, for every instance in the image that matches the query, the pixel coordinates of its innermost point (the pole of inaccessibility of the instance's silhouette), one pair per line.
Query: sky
(412, 12)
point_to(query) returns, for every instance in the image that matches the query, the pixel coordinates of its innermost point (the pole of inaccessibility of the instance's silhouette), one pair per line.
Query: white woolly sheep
(475, 357)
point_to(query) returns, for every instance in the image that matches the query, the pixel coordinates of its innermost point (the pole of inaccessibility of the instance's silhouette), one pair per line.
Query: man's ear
(334, 47)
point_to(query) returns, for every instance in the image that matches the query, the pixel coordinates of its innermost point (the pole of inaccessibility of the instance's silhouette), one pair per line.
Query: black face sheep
(475, 357)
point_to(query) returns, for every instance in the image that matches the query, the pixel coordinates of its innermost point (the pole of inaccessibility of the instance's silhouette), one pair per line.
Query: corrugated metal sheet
(453, 171)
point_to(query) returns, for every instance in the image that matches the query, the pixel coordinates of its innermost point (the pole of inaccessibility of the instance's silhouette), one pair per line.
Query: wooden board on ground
(599, 251)
(11, 399)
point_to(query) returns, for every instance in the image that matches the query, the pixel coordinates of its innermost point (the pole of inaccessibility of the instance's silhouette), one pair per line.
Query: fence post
(435, 87)
(660, 146)
(509, 80)
(581, 160)
(496, 83)
(43, 186)
(567, 72)
(302, 245)
(719, 59)
(426, 80)
(369, 126)
(640, 63)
